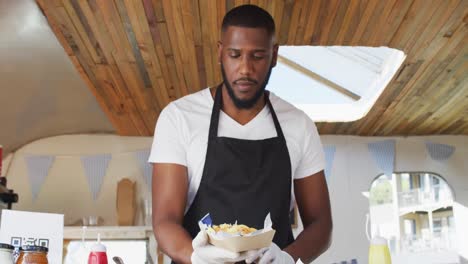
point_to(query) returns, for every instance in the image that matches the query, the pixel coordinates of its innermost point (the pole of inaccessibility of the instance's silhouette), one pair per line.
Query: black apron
(244, 180)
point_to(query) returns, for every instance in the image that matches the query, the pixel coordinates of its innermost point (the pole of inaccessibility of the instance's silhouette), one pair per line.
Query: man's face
(247, 56)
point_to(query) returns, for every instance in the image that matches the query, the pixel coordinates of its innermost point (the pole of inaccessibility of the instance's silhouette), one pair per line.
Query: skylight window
(334, 83)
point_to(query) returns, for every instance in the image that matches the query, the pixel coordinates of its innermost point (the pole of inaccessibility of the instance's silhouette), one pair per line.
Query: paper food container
(244, 243)
(238, 243)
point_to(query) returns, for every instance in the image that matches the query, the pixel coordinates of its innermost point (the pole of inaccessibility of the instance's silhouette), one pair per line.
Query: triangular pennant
(440, 152)
(38, 168)
(384, 155)
(329, 157)
(95, 167)
(142, 158)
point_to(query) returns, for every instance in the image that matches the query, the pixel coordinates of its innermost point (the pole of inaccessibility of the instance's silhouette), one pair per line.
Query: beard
(245, 103)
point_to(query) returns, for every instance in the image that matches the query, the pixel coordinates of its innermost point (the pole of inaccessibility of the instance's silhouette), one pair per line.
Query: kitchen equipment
(6, 254)
(98, 254)
(379, 252)
(148, 212)
(7, 197)
(33, 255)
(378, 249)
(126, 202)
(118, 260)
(90, 220)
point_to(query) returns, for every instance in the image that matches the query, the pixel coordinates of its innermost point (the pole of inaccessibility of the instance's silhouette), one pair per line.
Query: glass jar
(6, 254)
(33, 255)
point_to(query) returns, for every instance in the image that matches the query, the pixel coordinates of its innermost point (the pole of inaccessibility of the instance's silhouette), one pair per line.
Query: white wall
(353, 171)
(66, 188)
(66, 191)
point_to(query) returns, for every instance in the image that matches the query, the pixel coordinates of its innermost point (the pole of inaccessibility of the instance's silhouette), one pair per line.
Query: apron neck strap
(279, 131)
(218, 102)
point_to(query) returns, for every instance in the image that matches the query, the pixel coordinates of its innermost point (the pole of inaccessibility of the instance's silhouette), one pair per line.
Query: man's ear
(220, 51)
(274, 57)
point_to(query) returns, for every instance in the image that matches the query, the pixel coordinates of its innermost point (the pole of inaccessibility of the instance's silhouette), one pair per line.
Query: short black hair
(250, 16)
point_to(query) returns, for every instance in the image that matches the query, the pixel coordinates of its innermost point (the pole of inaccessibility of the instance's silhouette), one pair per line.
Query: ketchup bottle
(98, 253)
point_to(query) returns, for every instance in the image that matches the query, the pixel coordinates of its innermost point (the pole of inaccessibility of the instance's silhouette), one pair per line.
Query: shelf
(108, 232)
(117, 233)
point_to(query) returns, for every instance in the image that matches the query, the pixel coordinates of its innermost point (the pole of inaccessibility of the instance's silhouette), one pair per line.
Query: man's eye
(258, 57)
(234, 55)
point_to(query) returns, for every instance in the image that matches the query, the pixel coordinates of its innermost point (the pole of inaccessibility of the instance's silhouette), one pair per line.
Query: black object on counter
(7, 196)
(6, 246)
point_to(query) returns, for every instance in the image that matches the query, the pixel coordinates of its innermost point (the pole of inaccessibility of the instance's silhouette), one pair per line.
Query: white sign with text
(19, 228)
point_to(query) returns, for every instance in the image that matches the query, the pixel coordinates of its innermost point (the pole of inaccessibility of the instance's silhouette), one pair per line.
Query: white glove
(271, 254)
(205, 253)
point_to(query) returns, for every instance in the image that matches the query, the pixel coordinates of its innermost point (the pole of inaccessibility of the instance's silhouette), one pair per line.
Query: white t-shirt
(181, 136)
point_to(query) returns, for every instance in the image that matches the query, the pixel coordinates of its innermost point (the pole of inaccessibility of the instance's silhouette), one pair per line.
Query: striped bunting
(329, 157)
(384, 155)
(142, 158)
(440, 152)
(38, 167)
(95, 167)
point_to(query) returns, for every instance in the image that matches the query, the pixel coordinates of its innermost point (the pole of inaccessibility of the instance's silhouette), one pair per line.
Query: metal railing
(439, 241)
(417, 197)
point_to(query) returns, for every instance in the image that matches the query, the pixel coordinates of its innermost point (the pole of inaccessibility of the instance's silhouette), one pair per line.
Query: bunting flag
(95, 167)
(38, 167)
(329, 157)
(142, 158)
(439, 152)
(384, 155)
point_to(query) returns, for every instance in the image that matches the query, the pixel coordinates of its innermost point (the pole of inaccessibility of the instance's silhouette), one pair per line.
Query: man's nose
(246, 66)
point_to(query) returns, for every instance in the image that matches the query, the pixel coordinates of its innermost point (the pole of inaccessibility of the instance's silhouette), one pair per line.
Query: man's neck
(241, 116)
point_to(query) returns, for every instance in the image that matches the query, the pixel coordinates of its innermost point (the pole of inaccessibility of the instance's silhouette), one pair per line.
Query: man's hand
(272, 254)
(204, 253)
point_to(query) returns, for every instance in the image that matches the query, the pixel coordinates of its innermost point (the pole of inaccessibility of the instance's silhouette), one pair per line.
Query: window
(406, 182)
(422, 181)
(381, 191)
(414, 212)
(410, 227)
(451, 222)
(334, 83)
(437, 225)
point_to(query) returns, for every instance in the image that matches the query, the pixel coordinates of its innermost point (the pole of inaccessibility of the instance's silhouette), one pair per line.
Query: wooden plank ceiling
(138, 55)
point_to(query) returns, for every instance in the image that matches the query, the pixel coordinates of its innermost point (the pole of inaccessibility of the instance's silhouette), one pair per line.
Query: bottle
(378, 251)
(33, 255)
(6, 254)
(98, 253)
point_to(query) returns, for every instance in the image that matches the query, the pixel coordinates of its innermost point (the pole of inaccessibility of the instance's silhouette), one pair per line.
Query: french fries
(232, 229)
